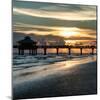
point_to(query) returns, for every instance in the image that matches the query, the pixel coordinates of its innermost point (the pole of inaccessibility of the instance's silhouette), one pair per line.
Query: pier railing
(33, 49)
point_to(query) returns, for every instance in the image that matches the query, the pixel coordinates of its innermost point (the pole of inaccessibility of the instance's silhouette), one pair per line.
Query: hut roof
(27, 39)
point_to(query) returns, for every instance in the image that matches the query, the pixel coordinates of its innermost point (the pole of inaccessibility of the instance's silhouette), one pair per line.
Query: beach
(59, 77)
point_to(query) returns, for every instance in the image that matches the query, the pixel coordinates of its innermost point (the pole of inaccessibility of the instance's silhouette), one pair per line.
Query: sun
(69, 33)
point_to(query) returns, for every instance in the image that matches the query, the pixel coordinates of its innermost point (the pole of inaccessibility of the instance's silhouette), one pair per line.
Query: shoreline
(59, 58)
(80, 80)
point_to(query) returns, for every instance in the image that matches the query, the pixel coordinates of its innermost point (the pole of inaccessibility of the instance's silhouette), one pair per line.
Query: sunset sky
(73, 22)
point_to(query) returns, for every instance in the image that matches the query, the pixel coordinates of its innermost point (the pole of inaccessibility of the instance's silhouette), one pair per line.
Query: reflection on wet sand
(36, 73)
(73, 77)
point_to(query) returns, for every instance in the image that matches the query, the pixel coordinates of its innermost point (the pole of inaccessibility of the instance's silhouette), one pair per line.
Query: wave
(26, 61)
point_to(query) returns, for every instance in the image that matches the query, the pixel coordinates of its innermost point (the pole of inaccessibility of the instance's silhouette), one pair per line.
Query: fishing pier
(28, 44)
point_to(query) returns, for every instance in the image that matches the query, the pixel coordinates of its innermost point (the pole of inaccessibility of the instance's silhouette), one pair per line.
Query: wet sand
(78, 80)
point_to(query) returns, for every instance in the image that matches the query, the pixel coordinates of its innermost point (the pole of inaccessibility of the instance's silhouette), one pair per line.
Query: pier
(32, 47)
(33, 50)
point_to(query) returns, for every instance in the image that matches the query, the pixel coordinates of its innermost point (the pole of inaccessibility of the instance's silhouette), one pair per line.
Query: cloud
(48, 18)
(80, 38)
(86, 24)
(47, 30)
(83, 15)
(54, 6)
(69, 8)
(23, 26)
(18, 36)
(50, 14)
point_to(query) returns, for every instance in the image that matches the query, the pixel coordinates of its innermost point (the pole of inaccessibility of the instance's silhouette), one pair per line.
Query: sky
(73, 22)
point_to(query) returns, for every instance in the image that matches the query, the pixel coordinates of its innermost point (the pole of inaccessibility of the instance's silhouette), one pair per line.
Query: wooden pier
(33, 50)
(28, 44)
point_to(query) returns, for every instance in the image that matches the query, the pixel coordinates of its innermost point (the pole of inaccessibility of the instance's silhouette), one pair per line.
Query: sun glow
(69, 34)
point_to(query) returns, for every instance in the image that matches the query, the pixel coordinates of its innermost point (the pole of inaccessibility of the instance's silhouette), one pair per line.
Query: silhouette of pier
(33, 50)
(28, 44)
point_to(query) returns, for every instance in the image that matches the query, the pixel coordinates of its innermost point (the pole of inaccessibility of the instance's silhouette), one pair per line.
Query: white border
(5, 48)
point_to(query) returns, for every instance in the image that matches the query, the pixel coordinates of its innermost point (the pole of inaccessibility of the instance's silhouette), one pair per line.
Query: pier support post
(45, 51)
(57, 49)
(92, 51)
(81, 51)
(69, 51)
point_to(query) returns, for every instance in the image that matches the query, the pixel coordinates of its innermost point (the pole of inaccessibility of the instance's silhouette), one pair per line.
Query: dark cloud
(86, 24)
(53, 6)
(68, 8)
(23, 28)
(26, 4)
